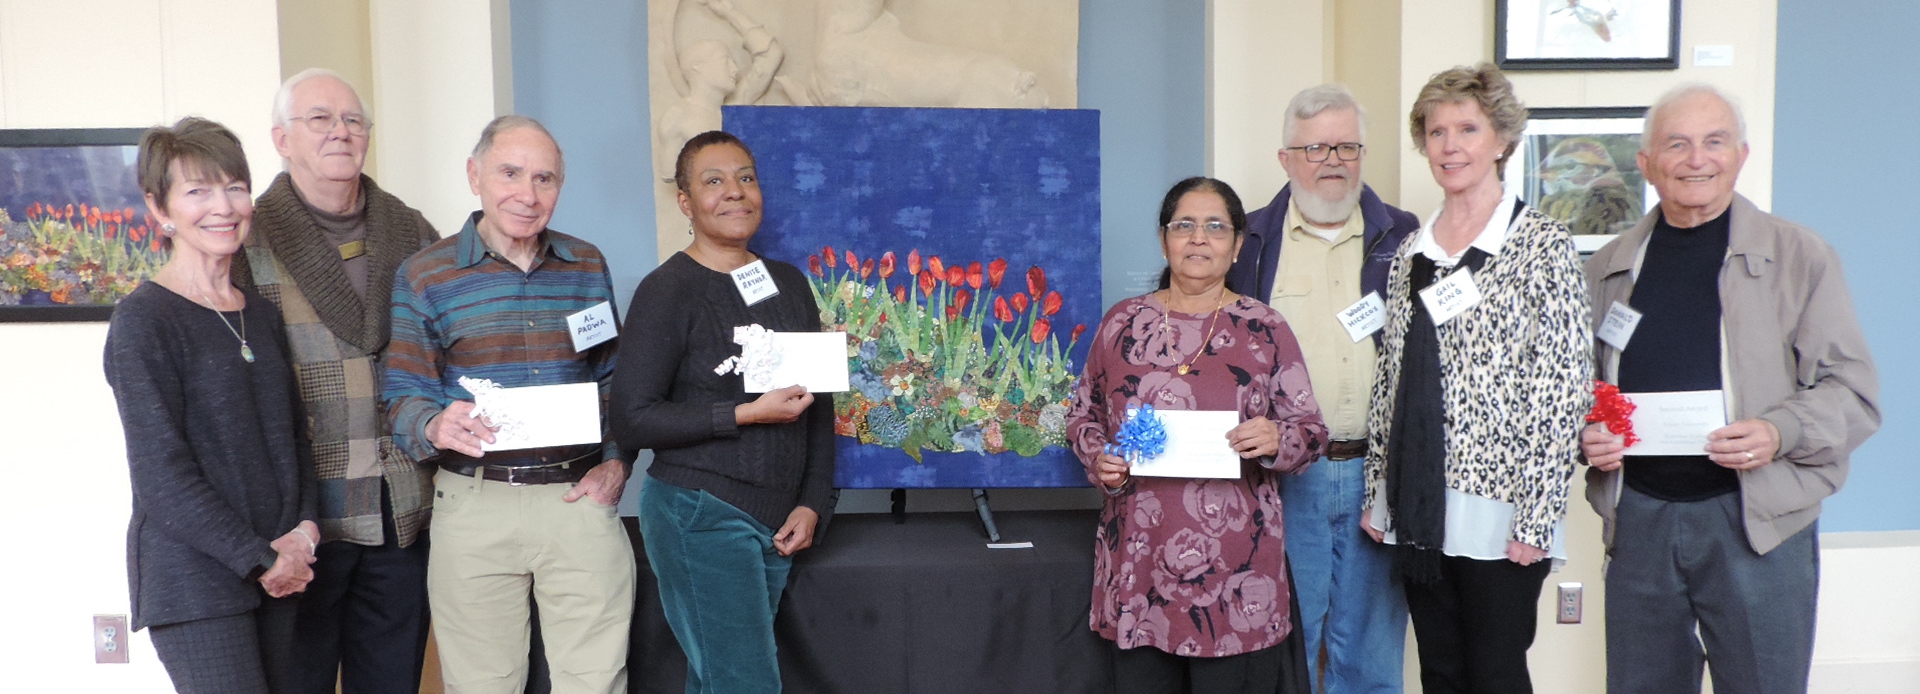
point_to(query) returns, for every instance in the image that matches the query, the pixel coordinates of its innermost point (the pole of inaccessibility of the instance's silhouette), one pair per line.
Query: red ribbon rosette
(1614, 409)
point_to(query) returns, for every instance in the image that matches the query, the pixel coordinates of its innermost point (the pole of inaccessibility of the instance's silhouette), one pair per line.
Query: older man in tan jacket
(1710, 295)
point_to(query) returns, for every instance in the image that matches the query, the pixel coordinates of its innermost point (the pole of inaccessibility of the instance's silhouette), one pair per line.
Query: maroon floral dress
(1194, 567)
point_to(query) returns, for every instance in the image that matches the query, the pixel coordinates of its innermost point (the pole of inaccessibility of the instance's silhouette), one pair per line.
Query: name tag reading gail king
(1365, 317)
(1451, 296)
(754, 283)
(592, 326)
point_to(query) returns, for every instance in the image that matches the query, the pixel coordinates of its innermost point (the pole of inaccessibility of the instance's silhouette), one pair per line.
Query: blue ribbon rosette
(1142, 437)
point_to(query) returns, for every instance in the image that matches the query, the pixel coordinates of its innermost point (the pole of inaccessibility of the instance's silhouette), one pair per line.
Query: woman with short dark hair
(222, 532)
(739, 482)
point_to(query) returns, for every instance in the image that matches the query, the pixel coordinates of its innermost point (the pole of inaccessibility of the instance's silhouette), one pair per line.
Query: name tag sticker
(1451, 296)
(1618, 326)
(592, 326)
(1365, 317)
(754, 283)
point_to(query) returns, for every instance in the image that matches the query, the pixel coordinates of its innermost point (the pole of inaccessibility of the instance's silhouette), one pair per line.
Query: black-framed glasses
(323, 123)
(1348, 151)
(1214, 229)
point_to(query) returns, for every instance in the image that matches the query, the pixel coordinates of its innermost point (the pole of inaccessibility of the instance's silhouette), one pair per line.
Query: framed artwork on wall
(1586, 34)
(1577, 165)
(75, 235)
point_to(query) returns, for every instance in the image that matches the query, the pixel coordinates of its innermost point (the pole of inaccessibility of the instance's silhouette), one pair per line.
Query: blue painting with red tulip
(960, 251)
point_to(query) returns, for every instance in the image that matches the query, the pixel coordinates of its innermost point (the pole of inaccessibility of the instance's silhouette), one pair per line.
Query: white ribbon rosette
(757, 360)
(489, 409)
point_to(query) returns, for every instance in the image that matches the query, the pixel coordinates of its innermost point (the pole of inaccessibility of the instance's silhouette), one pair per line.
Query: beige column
(441, 70)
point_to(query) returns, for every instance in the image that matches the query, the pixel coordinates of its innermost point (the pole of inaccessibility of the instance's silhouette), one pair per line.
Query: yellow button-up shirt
(1315, 279)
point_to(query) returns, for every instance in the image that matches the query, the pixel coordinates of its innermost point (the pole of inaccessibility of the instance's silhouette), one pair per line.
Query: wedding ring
(1749, 456)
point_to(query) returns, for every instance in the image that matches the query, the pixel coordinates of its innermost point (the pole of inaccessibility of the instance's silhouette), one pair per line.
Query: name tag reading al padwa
(754, 283)
(592, 326)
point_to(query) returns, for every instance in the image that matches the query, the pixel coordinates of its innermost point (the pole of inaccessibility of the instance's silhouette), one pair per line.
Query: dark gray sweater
(666, 396)
(216, 450)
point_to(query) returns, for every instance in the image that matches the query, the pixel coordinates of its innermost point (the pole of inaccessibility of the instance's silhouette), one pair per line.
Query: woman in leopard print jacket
(1485, 373)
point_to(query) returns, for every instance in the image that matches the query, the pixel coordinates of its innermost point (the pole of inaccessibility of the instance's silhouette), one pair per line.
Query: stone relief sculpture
(863, 58)
(705, 54)
(709, 77)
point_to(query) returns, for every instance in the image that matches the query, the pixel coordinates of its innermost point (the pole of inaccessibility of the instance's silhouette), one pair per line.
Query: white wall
(441, 70)
(99, 64)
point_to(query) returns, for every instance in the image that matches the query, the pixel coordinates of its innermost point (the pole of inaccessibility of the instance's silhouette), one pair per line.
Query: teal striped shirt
(460, 309)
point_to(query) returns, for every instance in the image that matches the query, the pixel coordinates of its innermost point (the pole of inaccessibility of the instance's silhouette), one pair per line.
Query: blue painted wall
(1844, 165)
(1143, 66)
(580, 67)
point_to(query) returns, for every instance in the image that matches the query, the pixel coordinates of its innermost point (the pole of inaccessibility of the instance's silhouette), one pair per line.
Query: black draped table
(919, 608)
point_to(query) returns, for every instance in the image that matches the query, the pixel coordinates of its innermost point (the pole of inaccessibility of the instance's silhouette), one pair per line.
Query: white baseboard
(1865, 677)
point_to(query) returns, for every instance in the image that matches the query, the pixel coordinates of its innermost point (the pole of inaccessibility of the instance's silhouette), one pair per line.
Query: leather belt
(1347, 449)
(552, 465)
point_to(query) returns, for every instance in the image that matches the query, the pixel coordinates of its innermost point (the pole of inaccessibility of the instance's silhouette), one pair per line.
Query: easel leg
(986, 514)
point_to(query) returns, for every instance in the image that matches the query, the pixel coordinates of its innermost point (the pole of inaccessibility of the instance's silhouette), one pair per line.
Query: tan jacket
(1792, 354)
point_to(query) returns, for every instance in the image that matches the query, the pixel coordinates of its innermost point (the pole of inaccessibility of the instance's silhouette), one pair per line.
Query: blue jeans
(1350, 599)
(720, 583)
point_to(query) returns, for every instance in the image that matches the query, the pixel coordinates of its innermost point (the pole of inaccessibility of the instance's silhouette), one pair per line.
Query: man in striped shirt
(493, 302)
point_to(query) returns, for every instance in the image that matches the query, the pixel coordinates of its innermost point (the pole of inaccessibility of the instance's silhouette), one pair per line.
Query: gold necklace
(1212, 323)
(241, 334)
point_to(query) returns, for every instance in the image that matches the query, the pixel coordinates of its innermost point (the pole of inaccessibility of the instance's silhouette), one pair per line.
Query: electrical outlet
(1569, 612)
(110, 637)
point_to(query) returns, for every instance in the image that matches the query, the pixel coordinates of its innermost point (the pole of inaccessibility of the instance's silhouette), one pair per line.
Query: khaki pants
(492, 543)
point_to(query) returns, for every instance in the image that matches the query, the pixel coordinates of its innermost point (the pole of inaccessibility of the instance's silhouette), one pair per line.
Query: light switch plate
(110, 637)
(1569, 604)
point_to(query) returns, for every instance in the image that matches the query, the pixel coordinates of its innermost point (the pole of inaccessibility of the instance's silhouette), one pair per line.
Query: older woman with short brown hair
(222, 533)
(1484, 376)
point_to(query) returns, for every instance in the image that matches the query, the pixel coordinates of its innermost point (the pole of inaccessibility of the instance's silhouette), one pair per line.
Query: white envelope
(1196, 446)
(1676, 423)
(537, 416)
(816, 361)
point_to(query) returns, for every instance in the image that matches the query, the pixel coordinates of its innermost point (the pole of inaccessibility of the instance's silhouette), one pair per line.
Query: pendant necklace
(1211, 324)
(241, 334)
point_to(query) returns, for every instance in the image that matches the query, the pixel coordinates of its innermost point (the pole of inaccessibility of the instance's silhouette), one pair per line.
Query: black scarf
(1417, 440)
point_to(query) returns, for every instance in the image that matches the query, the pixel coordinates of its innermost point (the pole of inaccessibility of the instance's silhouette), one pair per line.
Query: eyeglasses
(1348, 151)
(1215, 229)
(322, 123)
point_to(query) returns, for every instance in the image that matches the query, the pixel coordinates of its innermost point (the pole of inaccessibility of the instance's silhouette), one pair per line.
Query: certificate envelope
(539, 416)
(1196, 446)
(816, 361)
(1676, 423)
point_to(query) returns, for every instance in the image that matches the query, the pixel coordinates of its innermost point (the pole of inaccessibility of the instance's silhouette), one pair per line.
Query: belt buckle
(513, 476)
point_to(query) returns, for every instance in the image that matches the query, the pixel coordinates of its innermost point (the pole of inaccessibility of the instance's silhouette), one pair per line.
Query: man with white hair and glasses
(1708, 295)
(325, 246)
(1340, 239)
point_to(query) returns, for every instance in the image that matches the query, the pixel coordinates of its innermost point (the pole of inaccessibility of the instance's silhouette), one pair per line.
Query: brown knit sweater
(335, 337)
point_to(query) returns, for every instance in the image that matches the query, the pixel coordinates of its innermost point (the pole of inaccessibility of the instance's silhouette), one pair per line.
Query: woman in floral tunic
(1190, 574)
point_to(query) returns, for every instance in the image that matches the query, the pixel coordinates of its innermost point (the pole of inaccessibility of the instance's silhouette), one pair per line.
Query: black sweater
(216, 448)
(666, 396)
(1676, 347)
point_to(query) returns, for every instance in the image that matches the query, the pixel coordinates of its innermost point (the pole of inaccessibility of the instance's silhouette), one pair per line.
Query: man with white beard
(1329, 286)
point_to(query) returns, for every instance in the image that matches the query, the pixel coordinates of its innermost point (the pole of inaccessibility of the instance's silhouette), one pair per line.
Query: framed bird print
(1586, 34)
(1577, 165)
